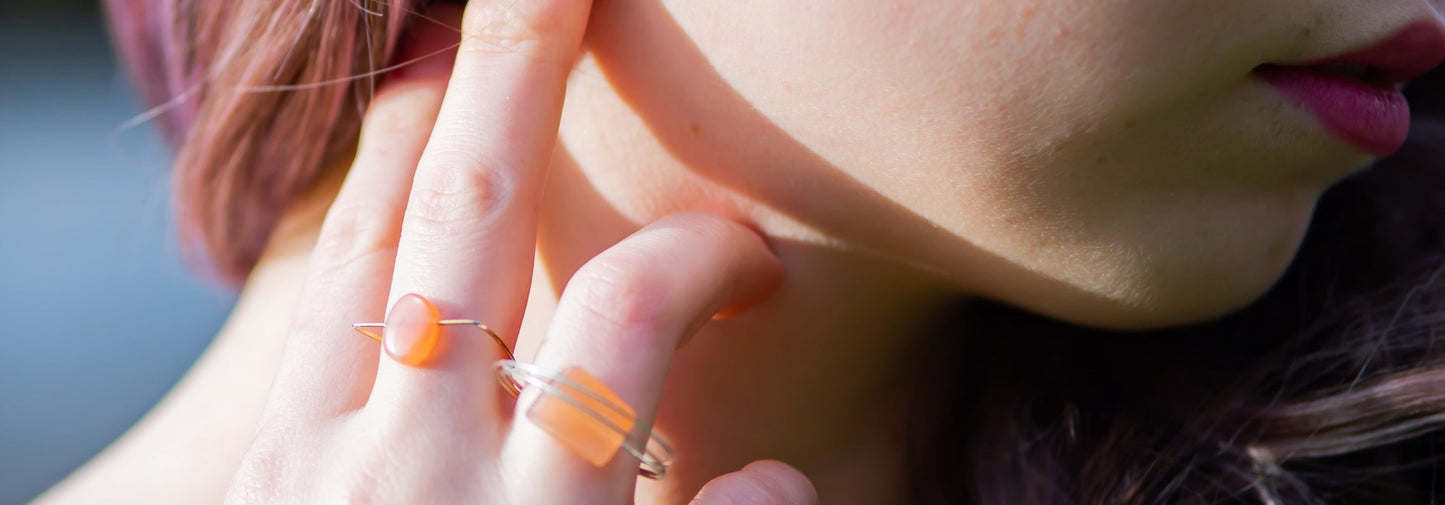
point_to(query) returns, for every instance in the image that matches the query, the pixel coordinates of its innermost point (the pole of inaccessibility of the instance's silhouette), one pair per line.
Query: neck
(815, 376)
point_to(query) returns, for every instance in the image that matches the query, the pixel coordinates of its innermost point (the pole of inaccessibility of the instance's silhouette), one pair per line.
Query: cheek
(905, 94)
(1045, 153)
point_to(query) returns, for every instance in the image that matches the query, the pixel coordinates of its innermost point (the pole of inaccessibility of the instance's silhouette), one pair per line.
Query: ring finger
(619, 321)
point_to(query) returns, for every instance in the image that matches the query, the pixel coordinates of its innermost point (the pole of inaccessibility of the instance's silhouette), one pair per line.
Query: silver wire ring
(651, 450)
(368, 330)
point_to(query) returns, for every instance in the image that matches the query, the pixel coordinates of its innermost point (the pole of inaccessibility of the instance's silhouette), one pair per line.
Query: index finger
(471, 219)
(470, 227)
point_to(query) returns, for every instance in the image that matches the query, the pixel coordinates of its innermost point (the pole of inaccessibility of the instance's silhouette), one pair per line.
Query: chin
(1153, 308)
(1203, 300)
(1184, 283)
(1186, 295)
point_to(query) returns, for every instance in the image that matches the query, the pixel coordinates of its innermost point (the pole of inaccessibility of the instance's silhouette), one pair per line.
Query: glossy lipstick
(1356, 96)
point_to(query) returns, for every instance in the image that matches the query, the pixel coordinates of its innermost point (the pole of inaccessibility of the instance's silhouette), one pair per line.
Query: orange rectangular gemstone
(594, 441)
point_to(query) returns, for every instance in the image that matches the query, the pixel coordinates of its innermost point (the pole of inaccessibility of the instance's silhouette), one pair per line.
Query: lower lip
(1373, 119)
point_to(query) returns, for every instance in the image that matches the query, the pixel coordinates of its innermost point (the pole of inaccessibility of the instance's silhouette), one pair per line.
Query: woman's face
(1117, 163)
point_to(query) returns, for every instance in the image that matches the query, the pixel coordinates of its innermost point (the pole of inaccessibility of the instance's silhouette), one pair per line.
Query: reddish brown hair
(256, 97)
(1327, 390)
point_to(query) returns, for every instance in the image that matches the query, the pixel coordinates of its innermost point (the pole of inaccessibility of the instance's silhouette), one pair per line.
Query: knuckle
(762, 482)
(306, 327)
(520, 27)
(389, 470)
(362, 482)
(261, 476)
(352, 233)
(448, 200)
(756, 485)
(631, 286)
(619, 289)
(786, 483)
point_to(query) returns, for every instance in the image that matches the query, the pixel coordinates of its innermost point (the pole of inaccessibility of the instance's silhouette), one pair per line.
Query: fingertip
(764, 482)
(765, 280)
(759, 271)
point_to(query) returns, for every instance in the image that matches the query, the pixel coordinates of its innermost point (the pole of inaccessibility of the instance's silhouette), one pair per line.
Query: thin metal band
(366, 329)
(654, 452)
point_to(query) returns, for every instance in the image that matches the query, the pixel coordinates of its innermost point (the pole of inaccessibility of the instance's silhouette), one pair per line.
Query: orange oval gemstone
(412, 332)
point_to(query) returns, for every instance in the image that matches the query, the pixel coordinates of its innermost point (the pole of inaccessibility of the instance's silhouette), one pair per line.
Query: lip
(1367, 110)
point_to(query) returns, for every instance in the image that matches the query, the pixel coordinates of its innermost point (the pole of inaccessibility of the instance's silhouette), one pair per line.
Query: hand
(441, 201)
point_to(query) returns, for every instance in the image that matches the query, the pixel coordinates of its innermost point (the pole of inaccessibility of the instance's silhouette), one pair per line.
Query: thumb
(764, 482)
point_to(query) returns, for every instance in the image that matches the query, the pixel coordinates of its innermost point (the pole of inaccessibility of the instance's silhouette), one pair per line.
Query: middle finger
(469, 232)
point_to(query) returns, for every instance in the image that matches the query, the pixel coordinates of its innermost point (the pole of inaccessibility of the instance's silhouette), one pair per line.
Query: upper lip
(1403, 56)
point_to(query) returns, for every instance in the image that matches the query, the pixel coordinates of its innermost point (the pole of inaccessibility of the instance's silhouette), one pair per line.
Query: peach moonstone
(412, 330)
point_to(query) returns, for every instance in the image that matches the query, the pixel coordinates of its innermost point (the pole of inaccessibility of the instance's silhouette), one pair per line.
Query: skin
(1110, 163)
(1107, 162)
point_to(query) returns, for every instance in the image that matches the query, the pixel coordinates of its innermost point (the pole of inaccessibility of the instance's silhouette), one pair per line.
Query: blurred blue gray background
(100, 317)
